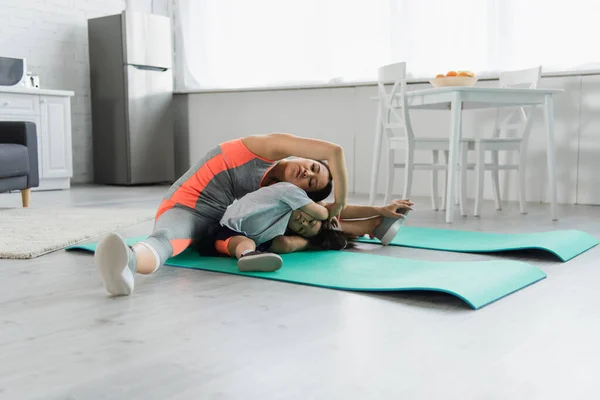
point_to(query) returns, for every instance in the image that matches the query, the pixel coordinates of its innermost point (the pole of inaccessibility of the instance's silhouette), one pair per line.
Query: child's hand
(395, 209)
(335, 209)
(335, 223)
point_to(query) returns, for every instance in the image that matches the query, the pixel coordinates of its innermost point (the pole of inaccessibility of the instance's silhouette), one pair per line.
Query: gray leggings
(177, 228)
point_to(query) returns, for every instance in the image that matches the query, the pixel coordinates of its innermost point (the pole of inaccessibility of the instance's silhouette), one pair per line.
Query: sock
(246, 252)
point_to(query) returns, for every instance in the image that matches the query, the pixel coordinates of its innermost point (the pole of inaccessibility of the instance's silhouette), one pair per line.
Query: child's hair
(322, 194)
(329, 238)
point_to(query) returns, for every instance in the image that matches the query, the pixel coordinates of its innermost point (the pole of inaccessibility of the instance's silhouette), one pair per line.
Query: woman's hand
(396, 209)
(334, 210)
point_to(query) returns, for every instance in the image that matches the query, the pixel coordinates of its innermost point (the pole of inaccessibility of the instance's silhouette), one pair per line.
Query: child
(249, 225)
(254, 225)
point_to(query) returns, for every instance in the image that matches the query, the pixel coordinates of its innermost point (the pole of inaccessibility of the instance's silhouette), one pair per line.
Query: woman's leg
(244, 249)
(147, 260)
(360, 227)
(383, 228)
(173, 233)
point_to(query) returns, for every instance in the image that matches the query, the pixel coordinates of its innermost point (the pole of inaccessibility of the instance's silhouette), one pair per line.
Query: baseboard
(53, 184)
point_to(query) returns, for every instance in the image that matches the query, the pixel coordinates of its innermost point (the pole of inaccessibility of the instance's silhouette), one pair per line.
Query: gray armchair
(18, 158)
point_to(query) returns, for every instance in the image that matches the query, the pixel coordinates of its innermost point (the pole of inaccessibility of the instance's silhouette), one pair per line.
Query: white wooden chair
(502, 140)
(395, 118)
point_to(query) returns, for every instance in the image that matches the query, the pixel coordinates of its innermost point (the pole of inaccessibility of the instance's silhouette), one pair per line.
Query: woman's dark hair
(329, 238)
(322, 194)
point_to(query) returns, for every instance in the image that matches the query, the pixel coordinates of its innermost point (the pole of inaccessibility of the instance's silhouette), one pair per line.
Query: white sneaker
(256, 261)
(117, 264)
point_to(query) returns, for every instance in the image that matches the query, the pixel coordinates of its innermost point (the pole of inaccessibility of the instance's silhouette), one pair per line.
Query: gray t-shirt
(265, 213)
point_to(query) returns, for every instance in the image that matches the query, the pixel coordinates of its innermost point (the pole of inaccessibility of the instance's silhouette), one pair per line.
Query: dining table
(458, 98)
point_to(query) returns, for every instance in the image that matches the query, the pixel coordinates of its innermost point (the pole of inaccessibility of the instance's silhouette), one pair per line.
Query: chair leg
(479, 170)
(434, 181)
(464, 153)
(25, 196)
(390, 177)
(523, 181)
(457, 181)
(408, 172)
(496, 180)
(445, 197)
(457, 190)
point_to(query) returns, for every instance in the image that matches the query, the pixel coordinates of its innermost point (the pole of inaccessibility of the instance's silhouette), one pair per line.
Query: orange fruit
(463, 73)
(451, 73)
(440, 76)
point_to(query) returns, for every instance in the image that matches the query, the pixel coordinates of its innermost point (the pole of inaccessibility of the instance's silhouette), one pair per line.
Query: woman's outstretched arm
(277, 146)
(396, 208)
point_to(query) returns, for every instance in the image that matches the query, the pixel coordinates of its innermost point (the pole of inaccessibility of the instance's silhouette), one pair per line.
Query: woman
(194, 205)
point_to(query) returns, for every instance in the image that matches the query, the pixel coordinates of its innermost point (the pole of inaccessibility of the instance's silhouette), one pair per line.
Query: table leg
(376, 157)
(455, 135)
(551, 154)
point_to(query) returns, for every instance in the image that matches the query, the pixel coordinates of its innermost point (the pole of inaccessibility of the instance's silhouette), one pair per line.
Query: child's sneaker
(257, 261)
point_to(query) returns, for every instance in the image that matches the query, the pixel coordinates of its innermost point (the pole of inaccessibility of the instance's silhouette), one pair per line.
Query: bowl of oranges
(454, 78)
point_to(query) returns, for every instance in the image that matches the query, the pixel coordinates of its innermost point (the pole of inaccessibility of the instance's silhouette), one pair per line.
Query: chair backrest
(525, 79)
(392, 100)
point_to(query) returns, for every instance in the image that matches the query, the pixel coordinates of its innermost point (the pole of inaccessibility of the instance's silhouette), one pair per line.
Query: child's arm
(289, 244)
(316, 211)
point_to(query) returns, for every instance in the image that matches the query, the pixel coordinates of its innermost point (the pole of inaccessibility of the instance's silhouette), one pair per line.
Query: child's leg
(239, 245)
(244, 249)
(360, 227)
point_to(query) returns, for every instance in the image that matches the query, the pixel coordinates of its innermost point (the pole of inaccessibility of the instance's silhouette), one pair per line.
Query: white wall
(347, 116)
(588, 178)
(158, 7)
(52, 36)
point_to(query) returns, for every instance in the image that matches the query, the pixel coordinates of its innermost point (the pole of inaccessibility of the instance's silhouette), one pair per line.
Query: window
(262, 43)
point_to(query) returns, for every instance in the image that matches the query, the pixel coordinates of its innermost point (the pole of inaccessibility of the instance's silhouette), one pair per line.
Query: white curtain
(224, 44)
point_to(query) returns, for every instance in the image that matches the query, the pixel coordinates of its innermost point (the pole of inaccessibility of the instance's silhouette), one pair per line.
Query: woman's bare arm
(395, 209)
(277, 146)
(289, 244)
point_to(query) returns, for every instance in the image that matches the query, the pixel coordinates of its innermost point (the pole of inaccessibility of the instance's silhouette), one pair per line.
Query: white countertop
(28, 90)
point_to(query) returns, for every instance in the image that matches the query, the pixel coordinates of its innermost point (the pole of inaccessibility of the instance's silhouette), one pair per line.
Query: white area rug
(30, 232)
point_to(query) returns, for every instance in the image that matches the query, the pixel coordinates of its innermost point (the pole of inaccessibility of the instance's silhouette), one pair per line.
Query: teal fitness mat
(564, 244)
(476, 283)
